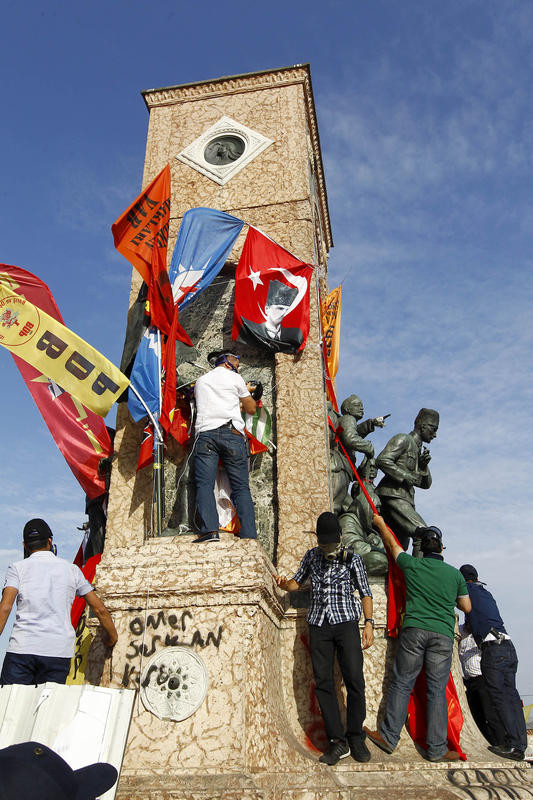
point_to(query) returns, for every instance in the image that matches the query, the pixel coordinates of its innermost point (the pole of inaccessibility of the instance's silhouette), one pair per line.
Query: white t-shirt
(46, 588)
(217, 396)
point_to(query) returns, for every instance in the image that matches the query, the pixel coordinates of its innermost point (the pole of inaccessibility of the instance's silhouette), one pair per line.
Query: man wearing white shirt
(477, 691)
(219, 429)
(44, 586)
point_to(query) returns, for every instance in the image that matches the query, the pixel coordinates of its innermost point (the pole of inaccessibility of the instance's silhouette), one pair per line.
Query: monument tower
(226, 706)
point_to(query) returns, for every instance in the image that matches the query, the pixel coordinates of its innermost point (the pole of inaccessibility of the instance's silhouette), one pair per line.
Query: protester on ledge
(333, 619)
(42, 640)
(219, 429)
(433, 589)
(499, 664)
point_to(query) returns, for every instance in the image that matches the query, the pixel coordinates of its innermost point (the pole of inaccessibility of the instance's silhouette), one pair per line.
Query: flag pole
(159, 494)
(158, 453)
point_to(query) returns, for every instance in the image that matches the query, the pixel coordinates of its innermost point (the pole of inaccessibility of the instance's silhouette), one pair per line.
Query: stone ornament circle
(174, 683)
(223, 150)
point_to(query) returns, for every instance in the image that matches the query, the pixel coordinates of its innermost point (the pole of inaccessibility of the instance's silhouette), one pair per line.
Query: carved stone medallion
(224, 149)
(174, 683)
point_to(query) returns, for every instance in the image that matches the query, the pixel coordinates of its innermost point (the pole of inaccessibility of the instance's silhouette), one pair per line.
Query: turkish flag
(271, 296)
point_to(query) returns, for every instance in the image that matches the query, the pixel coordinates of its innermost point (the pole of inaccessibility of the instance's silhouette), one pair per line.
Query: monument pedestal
(258, 732)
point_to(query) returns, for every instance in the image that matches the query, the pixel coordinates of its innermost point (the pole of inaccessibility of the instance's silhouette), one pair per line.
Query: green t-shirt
(432, 588)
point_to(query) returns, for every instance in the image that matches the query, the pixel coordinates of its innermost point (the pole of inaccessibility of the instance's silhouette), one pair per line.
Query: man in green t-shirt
(433, 589)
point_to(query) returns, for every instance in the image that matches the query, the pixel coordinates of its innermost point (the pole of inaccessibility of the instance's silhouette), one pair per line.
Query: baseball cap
(36, 530)
(468, 572)
(32, 771)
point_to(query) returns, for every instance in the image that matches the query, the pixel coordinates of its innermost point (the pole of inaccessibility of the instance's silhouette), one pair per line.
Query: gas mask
(331, 550)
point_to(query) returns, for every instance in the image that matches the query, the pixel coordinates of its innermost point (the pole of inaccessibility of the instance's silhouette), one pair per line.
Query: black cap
(32, 771)
(36, 530)
(328, 529)
(468, 572)
(427, 534)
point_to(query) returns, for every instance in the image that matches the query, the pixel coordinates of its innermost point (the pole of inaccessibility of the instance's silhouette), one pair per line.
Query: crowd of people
(433, 590)
(44, 586)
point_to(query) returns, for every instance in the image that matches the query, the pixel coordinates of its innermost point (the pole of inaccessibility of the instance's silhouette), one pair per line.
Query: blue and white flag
(204, 242)
(145, 376)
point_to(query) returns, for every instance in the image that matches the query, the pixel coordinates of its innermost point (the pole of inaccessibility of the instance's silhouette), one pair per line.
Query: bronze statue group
(352, 544)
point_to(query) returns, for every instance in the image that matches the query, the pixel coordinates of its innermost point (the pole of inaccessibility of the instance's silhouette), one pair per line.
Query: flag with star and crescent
(271, 296)
(204, 242)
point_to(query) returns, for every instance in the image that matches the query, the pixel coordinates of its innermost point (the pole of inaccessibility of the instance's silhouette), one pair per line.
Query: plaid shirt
(332, 587)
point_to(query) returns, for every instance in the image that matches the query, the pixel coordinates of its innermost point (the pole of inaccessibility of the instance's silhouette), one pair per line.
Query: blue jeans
(30, 670)
(499, 663)
(418, 648)
(222, 443)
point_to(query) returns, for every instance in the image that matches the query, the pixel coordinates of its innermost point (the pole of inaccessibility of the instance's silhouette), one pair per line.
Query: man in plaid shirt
(333, 619)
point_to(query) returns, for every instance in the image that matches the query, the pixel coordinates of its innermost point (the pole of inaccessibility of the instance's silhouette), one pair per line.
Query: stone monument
(226, 705)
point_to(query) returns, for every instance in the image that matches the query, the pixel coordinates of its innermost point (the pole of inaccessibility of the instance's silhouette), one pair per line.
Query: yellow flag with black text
(56, 351)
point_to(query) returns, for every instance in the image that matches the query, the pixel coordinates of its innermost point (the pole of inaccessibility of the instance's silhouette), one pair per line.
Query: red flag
(271, 296)
(146, 451)
(89, 571)
(80, 434)
(168, 407)
(145, 224)
(160, 300)
(416, 714)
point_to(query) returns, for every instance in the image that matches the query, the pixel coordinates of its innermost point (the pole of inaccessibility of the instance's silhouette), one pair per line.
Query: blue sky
(426, 125)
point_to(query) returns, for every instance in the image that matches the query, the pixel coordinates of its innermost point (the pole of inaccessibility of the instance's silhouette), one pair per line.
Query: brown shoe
(449, 755)
(379, 741)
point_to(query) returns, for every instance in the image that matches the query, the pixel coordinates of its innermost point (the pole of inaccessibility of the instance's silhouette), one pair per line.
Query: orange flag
(145, 224)
(331, 327)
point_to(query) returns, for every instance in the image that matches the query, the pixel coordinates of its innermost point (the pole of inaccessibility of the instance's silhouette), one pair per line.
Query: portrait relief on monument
(224, 149)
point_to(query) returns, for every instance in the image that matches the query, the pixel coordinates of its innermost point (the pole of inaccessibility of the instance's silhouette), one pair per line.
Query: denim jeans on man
(30, 670)
(229, 446)
(418, 648)
(499, 664)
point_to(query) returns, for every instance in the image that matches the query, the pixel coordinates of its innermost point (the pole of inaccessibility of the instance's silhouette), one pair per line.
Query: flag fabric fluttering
(145, 224)
(146, 450)
(204, 242)
(145, 376)
(331, 328)
(34, 336)
(141, 235)
(80, 434)
(271, 296)
(258, 428)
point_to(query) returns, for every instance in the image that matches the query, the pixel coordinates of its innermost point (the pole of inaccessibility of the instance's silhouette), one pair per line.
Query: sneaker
(207, 537)
(337, 749)
(449, 755)
(379, 741)
(507, 752)
(358, 749)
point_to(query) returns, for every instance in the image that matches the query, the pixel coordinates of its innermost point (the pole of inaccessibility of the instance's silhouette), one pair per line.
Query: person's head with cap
(328, 533)
(36, 535)
(469, 573)
(430, 539)
(32, 771)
